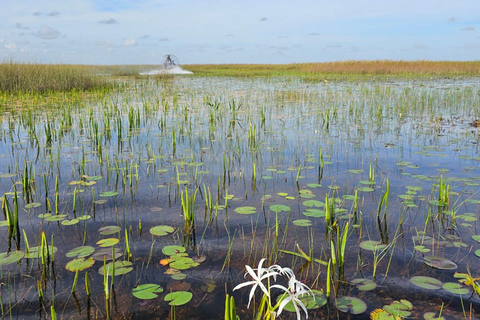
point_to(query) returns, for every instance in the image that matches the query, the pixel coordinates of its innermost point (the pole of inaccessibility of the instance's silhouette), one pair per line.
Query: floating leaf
(380, 314)
(36, 252)
(11, 257)
(455, 288)
(108, 194)
(84, 217)
(314, 203)
(54, 218)
(439, 263)
(107, 254)
(279, 208)
(400, 308)
(426, 282)
(314, 301)
(477, 253)
(302, 222)
(169, 250)
(372, 245)
(108, 242)
(79, 264)
(315, 213)
(351, 304)
(432, 316)
(80, 252)
(246, 210)
(365, 189)
(70, 222)
(179, 276)
(364, 284)
(107, 230)
(119, 267)
(178, 298)
(33, 205)
(314, 185)
(161, 230)
(476, 238)
(147, 291)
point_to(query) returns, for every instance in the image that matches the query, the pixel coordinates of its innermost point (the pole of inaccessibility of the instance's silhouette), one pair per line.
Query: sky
(237, 31)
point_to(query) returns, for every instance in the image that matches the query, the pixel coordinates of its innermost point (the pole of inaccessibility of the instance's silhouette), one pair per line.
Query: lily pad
(107, 230)
(170, 250)
(372, 245)
(33, 205)
(80, 252)
(57, 217)
(36, 252)
(456, 288)
(161, 230)
(106, 254)
(426, 282)
(107, 194)
(364, 284)
(70, 222)
(314, 203)
(400, 308)
(120, 268)
(178, 298)
(315, 213)
(79, 264)
(439, 263)
(302, 222)
(147, 291)
(246, 210)
(432, 316)
(351, 304)
(11, 257)
(477, 253)
(108, 242)
(181, 261)
(279, 208)
(476, 238)
(315, 301)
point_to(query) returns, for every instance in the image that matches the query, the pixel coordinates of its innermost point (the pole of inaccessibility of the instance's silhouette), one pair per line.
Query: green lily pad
(364, 284)
(57, 217)
(79, 264)
(170, 250)
(181, 262)
(314, 185)
(10, 257)
(400, 308)
(161, 230)
(426, 282)
(279, 208)
(314, 203)
(107, 254)
(315, 213)
(456, 288)
(477, 253)
(178, 298)
(439, 263)
(70, 222)
(351, 304)
(179, 276)
(315, 301)
(36, 252)
(372, 245)
(246, 210)
(120, 268)
(302, 222)
(80, 252)
(107, 194)
(107, 230)
(476, 238)
(147, 291)
(365, 189)
(84, 217)
(108, 242)
(432, 316)
(33, 205)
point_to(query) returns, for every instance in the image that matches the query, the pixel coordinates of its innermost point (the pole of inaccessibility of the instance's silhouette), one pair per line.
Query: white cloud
(107, 44)
(109, 21)
(130, 42)
(10, 45)
(47, 32)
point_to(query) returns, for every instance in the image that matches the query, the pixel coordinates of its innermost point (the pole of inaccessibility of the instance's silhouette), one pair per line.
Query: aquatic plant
(291, 293)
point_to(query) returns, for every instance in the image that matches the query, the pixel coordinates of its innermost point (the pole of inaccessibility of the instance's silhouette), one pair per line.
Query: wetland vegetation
(156, 197)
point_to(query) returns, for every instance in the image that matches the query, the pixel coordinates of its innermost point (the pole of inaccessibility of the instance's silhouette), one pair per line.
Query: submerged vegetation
(152, 200)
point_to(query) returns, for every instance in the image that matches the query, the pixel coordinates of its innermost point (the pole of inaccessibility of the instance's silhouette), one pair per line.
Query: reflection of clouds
(47, 32)
(107, 44)
(130, 42)
(469, 28)
(10, 45)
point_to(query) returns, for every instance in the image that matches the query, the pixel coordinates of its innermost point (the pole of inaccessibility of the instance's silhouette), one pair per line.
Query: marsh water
(233, 170)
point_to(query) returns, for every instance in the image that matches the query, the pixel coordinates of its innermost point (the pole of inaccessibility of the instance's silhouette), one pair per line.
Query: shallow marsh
(235, 170)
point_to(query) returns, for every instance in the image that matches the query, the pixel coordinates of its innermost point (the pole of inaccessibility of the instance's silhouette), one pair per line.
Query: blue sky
(245, 31)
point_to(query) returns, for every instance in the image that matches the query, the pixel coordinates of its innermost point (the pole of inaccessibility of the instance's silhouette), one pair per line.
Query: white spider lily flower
(262, 274)
(295, 290)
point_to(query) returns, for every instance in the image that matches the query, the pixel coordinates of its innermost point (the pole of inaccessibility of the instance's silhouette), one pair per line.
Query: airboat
(170, 61)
